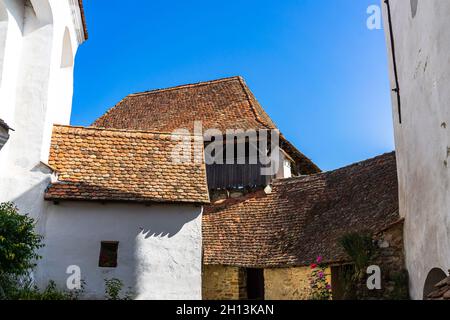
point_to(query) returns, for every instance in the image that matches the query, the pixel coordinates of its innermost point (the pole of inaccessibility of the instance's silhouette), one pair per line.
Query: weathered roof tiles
(302, 218)
(219, 104)
(120, 165)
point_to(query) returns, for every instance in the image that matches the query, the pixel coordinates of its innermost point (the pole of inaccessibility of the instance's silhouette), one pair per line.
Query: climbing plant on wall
(320, 288)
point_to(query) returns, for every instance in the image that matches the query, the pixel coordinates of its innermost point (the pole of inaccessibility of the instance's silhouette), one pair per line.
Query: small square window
(108, 254)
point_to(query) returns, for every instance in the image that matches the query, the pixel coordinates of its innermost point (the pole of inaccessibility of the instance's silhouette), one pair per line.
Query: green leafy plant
(360, 248)
(113, 288)
(401, 285)
(320, 288)
(18, 246)
(26, 290)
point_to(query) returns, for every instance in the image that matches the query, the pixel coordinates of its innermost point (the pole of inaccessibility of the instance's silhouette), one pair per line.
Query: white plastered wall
(421, 31)
(35, 93)
(159, 255)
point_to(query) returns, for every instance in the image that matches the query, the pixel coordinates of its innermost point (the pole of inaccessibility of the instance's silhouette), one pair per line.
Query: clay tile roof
(83, 18)
(303, 217)
(119, 165)
(219, 104)
(442, 291)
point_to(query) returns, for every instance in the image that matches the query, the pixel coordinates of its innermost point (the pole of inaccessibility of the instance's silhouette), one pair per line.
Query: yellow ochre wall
(229, 283)
(223, 283)
(289, 283)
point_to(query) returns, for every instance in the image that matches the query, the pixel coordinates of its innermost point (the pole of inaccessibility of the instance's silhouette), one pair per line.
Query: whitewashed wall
(422, 44)
(35, 92)
(160, 247)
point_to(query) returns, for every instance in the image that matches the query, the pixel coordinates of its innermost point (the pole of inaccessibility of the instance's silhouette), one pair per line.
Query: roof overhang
(79, 20)
(4, 133)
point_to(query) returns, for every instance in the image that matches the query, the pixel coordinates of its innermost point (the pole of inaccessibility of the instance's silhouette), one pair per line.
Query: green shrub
(18, 246)
(319, 286)
(25, 290)
(113, 288)
(401, 285)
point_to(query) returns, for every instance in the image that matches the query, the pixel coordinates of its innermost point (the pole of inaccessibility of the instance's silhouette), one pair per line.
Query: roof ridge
(122, 130)
(188, 85)
(299, 178)
(178, 87)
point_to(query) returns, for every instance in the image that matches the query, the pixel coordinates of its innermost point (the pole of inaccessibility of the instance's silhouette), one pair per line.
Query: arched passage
(434, 276)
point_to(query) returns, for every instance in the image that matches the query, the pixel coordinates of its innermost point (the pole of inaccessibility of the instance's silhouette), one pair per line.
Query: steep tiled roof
(118, 165)
(303, 217)
(220, 104)
(442, 291)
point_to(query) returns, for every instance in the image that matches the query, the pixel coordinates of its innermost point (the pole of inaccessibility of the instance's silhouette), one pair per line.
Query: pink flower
(319, 259)
(321, 275)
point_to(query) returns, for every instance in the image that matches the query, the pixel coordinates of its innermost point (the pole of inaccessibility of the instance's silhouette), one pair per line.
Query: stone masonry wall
(288, 283)
(390, 258)
(223, 283)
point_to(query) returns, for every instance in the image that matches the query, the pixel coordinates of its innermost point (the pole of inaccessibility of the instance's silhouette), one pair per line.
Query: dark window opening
(108, 254)
(255, 284)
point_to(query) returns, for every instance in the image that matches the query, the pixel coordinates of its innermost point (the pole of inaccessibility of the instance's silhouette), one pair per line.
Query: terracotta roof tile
(119, 165)
(219, 104)
(83, 18)
(303, 217)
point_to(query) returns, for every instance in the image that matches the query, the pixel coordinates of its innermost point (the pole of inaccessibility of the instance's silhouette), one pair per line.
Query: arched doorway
(434, 276)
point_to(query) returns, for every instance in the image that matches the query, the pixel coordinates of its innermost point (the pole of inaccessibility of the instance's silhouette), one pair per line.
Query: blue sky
(314, 66)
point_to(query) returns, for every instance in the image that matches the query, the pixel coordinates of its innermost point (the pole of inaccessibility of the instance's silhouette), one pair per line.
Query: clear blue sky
(313, 64)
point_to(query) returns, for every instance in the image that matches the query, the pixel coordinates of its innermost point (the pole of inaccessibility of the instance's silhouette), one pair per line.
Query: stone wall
(229, 283)
(287, 283)
(391, 259)
(389, 256)
(223, 283)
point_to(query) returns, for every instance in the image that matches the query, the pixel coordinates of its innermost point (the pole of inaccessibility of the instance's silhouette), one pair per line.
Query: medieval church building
(113, 200)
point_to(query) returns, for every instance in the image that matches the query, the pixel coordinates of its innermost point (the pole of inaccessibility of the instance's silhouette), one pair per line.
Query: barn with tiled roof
(272, 237)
